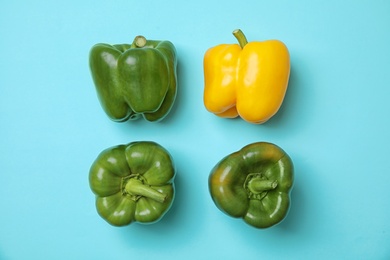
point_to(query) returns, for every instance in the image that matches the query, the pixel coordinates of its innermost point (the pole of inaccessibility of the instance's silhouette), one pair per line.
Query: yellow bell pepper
(246, 79)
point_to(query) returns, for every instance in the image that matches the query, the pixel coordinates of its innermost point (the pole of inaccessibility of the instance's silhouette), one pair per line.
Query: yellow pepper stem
(240, 36)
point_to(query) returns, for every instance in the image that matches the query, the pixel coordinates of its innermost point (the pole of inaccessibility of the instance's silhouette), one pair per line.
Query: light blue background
(334, 123)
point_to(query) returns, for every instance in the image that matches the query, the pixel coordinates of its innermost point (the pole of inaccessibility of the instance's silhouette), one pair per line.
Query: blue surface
(334, 123)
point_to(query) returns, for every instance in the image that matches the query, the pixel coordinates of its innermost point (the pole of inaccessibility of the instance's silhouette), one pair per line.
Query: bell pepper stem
(240, 36)
(139, 42)
(258, 185)
(136, 187)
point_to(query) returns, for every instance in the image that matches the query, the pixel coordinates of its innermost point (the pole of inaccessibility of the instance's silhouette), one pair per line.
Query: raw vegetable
(134, 80)
(133, 183)
(254, 184)
(246, 79)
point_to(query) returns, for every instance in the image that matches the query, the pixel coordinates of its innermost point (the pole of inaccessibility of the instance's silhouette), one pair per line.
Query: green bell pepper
(133, 183)
(135, 79)
(254, 184)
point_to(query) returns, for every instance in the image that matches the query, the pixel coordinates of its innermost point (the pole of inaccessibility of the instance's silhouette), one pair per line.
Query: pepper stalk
(137, 188)
(139, 42)
(240, 36)
(257, 185)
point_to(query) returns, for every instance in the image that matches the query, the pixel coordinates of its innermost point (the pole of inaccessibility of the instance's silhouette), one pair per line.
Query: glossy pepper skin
(247, 79)
(254, 184)
(135, 79)
(133, 183)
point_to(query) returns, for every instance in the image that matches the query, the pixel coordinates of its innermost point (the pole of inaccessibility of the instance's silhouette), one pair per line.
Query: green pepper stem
(136, 187)
(257, 185)
(139, 42)
(240, 36)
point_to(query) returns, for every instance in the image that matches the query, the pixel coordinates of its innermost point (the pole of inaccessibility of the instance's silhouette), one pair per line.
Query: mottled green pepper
(135, 79)
(133, 183)
(254, 184)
